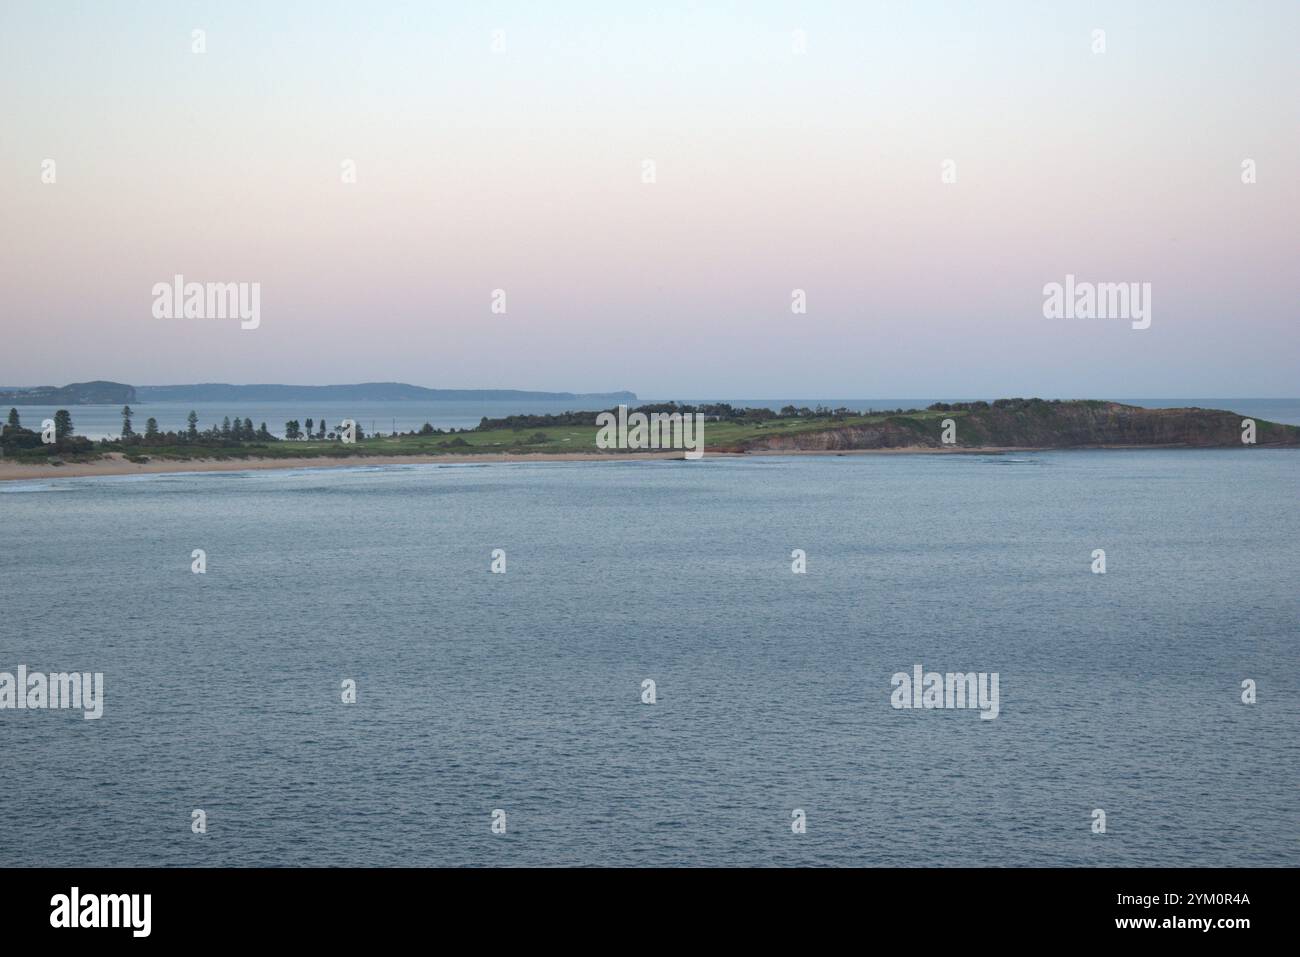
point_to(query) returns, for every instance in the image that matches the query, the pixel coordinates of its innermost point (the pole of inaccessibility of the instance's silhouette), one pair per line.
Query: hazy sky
(522, 169)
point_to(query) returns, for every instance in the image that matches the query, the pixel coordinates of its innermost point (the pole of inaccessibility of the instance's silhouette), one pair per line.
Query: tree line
(15, 438)
(232, 431)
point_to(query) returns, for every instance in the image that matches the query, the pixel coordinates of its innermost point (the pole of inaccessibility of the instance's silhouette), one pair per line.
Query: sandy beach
(116, 464)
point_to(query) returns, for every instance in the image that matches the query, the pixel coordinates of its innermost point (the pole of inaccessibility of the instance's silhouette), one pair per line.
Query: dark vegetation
(1003, 423)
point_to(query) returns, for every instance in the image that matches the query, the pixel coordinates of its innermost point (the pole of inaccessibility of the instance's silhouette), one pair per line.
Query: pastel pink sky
(775, 171)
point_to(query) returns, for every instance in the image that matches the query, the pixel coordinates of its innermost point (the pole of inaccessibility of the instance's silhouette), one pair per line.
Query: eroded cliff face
(886, 436)
(1040, 424)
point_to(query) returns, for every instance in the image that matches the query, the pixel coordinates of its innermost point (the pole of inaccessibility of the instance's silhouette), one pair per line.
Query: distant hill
(1032, 424)
(117, 393)
(78, 393)
(362, 392)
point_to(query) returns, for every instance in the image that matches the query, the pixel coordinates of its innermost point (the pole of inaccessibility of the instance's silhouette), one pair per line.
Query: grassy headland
(1003, 424)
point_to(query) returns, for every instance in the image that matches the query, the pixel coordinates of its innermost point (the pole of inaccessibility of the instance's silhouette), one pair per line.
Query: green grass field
(557, 440)
(551, 440)
(1011, 423)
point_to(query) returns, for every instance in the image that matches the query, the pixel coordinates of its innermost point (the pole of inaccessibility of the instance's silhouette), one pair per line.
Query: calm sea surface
(522, 691)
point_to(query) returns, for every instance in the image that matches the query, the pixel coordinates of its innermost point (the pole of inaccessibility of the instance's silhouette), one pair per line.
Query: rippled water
(521, 691)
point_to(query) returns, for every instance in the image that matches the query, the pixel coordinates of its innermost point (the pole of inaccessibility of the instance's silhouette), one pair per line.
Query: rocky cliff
(1039, 424)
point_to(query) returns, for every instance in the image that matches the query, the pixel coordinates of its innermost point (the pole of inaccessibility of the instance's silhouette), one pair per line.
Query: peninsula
(942, 428)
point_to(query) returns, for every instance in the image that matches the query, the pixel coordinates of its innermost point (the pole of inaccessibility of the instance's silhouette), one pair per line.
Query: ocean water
(105, 421)
(522, 691)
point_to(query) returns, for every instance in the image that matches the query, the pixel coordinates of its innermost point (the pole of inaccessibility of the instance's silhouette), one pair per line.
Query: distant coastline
(103, 392)
(1005, 425)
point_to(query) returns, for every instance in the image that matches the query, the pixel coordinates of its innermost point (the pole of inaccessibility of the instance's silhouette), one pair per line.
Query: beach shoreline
(116, 464)
(113, 463)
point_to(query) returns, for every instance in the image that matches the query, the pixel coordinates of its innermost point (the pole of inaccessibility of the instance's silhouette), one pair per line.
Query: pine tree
(62, 424)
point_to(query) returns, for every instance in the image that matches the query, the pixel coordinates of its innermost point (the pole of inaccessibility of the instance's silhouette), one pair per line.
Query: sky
(503, 146)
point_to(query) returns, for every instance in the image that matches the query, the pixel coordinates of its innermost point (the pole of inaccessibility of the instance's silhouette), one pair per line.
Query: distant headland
(117, 393)
(54, 448)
